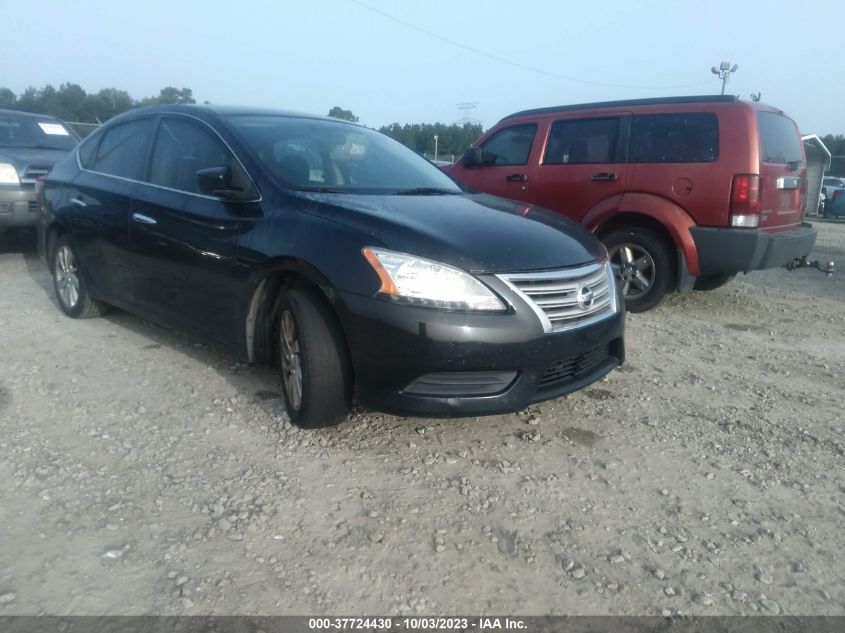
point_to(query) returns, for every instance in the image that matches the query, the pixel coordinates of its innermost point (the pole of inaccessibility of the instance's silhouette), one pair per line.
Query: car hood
(24, 157)
(476, 232)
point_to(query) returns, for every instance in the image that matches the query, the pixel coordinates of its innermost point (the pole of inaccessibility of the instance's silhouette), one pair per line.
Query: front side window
(674, 138)
(123, 149)
(182, 148)
(779, 140)
(318, 155)
(32, 133)
(509, 146)
(582, 141)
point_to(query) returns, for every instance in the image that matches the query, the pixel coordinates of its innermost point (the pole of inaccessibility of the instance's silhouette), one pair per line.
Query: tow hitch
(803, 262)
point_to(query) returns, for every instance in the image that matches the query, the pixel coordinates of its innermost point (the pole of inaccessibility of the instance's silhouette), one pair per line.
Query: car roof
(225, 111)
(627, 103)
(30, 115)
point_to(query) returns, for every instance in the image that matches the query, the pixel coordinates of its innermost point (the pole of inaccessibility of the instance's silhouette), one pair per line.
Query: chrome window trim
(182, 191)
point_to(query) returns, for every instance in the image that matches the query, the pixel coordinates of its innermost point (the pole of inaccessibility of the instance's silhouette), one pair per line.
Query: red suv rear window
(779, 142)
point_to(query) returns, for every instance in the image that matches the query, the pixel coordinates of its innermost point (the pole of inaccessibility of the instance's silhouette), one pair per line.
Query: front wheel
(642, 261)
(313, 361)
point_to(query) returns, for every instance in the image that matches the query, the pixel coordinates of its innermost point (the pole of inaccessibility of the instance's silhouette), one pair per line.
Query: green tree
(170, 95)
(8, 99)
(451, 139)
(339, 113)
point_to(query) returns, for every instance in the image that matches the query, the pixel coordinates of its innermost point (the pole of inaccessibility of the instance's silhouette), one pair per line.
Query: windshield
(31, 133)
(318, 155)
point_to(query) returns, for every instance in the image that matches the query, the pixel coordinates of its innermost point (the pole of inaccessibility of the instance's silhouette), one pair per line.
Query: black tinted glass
(123, 149)
(674, 138)
(313, 154)
(509, 146)
(779, 142)
(32, 133)
(582, 141)
(183, 148)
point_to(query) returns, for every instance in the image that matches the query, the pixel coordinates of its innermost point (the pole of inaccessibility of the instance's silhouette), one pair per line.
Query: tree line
(836, 144)
(70, 102)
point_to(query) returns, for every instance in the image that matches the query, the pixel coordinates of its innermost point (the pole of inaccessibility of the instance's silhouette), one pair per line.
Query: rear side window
(123, 149)
(779, 142)
(509, 146)
(183, 148)
(674, 138)
(582, 142)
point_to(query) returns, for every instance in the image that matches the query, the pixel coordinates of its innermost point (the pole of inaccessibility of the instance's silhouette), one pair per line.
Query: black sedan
(354, 263)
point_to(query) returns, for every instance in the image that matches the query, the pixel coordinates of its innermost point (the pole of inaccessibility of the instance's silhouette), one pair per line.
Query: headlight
(424, 282)
(8, 175)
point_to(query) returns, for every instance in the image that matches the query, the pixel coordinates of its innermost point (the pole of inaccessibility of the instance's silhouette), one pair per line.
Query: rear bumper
(17, 207)
(744, 250)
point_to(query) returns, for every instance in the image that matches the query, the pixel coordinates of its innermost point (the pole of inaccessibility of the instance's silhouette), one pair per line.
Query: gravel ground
(143, 473)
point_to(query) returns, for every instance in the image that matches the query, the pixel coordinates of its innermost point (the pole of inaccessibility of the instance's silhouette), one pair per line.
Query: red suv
(685, 192)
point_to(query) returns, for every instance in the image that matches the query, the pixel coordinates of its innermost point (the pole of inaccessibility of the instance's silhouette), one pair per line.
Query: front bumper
(397, 348)
(743, 250)
(17, 207)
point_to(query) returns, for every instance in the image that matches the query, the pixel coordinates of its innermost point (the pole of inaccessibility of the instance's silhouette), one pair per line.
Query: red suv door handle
(607, 176)
(517, 178)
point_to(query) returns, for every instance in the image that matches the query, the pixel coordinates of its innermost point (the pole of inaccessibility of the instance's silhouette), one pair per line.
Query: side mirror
(220, 182)
(472, 157)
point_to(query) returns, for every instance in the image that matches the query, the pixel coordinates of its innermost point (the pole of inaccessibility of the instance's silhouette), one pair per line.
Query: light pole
(435, 147)
(724, 72)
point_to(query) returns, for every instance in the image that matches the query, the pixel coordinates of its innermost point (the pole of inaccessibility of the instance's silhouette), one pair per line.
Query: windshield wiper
(426, 191)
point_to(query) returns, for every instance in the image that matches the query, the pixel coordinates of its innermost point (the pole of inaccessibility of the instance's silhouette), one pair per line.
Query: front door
(504, 170)
(185, 242)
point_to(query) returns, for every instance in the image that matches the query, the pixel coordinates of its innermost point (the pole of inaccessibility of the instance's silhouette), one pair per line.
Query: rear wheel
(313, 362)
(711, 282)
(69, 283)
(643, 265)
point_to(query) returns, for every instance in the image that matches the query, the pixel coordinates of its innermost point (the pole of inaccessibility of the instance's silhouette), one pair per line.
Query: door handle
(605, 176)
(78, 202)
(143, 219)
(517, 178)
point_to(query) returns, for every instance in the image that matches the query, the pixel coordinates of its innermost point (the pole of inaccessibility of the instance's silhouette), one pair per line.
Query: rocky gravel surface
(142, 473)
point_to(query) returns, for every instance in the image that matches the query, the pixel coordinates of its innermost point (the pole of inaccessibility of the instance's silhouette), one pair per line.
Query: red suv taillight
(745, 200)
(836, 194)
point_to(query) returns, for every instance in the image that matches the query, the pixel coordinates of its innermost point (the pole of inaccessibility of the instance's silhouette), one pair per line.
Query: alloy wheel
(634, 268)
(291, 360)
(67, 277)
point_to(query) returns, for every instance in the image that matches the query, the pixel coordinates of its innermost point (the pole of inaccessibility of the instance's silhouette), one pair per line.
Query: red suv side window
(583, 141)
(509, 146)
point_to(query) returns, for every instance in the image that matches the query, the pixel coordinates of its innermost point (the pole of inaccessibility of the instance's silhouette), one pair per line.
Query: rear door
(504, 171)
(783, 171)
(101, 197)
(582, 165)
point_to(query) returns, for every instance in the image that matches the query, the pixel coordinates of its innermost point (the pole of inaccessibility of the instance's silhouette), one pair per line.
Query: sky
(421, 59)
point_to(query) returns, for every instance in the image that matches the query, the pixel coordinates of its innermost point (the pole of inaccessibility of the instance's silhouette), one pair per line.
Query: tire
(70, 286)
(711, 282)
(314, 365)
(644, 265)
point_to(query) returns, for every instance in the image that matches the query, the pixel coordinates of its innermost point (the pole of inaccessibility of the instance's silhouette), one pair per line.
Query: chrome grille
(568, 298)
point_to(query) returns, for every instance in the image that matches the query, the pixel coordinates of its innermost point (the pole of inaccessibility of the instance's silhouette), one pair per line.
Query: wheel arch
(274, 278)
(664, 216)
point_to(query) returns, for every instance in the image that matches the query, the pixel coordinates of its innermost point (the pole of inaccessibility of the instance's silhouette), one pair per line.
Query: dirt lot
(143, 473)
